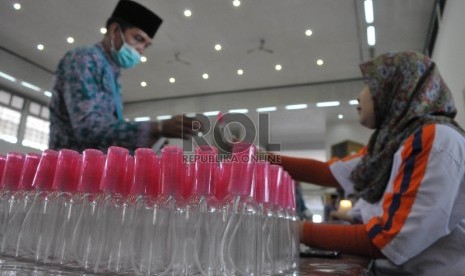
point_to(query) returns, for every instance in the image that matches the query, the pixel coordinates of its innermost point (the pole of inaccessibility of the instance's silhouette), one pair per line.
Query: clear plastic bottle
(114, 256)
(240, 246)
(85, 240)
(33, 237)
(278, 244)
(10, 238)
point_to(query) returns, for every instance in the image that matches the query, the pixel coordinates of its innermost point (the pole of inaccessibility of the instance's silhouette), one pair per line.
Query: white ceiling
(339, 38)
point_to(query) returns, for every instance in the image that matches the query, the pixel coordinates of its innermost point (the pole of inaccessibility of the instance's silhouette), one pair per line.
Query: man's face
(135, 37)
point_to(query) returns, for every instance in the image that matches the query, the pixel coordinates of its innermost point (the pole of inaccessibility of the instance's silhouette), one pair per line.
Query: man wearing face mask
(86, 104)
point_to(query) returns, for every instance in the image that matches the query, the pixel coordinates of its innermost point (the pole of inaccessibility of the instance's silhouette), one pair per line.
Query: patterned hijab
(407, 93)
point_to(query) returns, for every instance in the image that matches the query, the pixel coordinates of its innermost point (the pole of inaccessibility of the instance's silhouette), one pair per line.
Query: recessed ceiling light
(187, 13)
(40, 47)
(143, 59)
(296, 106)
(340, 116)
(266, 109)
(17, 6)
(70, 40)
(240, 72)
(320, 62)
(324, 104)
(143, 84)
(278, 67)
(353, 102)
(163, 117)
(308, 32)
(103, 30)
(30, 86)
(371, 36)
(8, 77)
(236, 3)
(141, 119)
(172, 80)
(48, 93)
(205, 76)
(218, 47)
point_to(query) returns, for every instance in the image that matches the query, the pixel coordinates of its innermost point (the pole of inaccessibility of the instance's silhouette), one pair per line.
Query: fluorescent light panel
(141, 119)
(30, 86)
(211, 113)
(353, 102)
(48, 93)
(296, 106)
(267, 109)
(369, 15)
(8, 77)
(325, 104)
(238, 110)
(371, 36)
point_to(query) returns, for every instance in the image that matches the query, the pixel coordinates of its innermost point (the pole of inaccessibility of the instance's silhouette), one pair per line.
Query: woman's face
(366, 112)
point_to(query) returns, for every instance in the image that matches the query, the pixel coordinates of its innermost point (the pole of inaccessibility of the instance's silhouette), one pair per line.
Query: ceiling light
(48, 93)
(17, 6)
(8, 77)
(371, 37)
(266, 109)
(205, 76)
(143, 84)
(340, 116)
(70, 40)
(163, 117)
(369, 16)
(40, 47)
(308, 32)
(218, 47)
(103, 30)
(30, 86)
(278, 67)
(320, 62)
(211, 113)
(172, 80)
(236, 3)
(143, 59)
(296, 106)
(141, 119)
(353, 102)
(187, 13)
(325, 104)
(240, 72)
(238, 111)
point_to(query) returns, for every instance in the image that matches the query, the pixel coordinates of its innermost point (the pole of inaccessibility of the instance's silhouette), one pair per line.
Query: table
(343, 265)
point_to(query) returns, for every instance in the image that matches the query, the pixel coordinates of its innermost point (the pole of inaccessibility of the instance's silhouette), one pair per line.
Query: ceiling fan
(261, 47)
(178, 59)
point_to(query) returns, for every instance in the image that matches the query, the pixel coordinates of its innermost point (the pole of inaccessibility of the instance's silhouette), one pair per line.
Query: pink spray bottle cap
(292, 198)
(43, 179)
(283, 190)
(67, 171)
(205, 169)
(31, 163)
(128, 176)
(91, 171)
(262, 184)
(275, 183)
(243, 161)
(2, 166)
(173, 170)
(222, 182)
(145, 171)
(187, 188)
(12, 172)
(115, 170)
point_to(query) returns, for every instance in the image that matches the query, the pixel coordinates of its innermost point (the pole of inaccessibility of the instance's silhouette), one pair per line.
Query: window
(9, 124)
(36, 133)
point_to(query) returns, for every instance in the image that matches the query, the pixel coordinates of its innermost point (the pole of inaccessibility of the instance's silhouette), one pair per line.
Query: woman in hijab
(410, 176)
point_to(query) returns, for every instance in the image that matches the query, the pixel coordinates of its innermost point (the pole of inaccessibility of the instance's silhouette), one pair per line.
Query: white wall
(449, 52)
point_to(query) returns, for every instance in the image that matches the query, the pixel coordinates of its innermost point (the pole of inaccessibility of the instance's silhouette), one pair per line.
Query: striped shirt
(419, 224)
